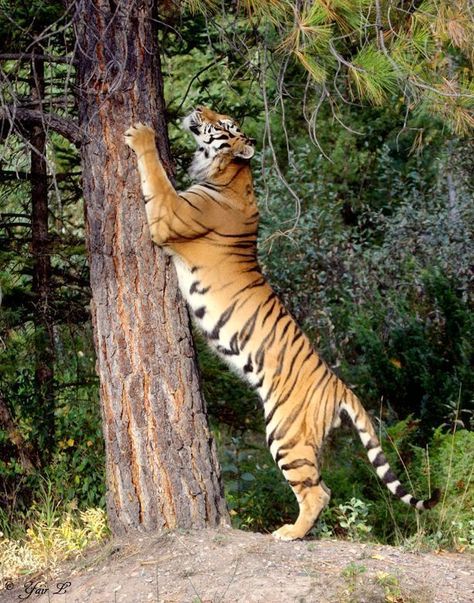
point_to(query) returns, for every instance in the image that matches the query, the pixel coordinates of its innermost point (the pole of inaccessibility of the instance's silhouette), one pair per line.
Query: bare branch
(420, 84)
(29, 56)
(196, 77)
(64, 126)
(6, 175)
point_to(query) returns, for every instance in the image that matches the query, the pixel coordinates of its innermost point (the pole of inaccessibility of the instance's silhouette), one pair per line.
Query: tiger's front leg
(164, 207)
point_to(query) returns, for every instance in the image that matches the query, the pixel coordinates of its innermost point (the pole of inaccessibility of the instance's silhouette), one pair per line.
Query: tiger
(210, 232)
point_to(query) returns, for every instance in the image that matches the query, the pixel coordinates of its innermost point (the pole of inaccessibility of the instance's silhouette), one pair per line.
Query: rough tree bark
(162, 468)
(44, 370)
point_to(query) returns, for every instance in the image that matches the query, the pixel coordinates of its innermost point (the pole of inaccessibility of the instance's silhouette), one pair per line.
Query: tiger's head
(220, 141)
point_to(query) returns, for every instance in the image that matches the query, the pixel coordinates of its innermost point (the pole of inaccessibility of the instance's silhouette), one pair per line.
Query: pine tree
(374, 51)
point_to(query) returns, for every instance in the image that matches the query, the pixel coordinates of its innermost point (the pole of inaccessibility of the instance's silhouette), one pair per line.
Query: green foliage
(446, 463)
(373, 75)
(256, 492)
(451, 460)
(20, 20)
(421, 362)
(77, 462)
(352, 517)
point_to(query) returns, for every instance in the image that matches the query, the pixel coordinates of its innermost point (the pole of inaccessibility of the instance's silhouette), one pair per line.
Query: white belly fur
(207, 323)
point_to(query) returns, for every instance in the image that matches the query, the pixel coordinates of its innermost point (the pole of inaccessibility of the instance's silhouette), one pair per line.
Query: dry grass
(50, 540)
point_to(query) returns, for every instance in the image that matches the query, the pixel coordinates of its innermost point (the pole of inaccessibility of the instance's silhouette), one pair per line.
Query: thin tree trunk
(162, 468)
(44, 369)
(24, 451)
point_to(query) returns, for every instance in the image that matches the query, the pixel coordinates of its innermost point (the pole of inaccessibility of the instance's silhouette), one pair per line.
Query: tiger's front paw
(140, 138)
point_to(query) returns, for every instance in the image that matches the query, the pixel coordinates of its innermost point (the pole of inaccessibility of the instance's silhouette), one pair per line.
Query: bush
(256, 492)
(76, 468)
(446, 463)
(450, 460)
(414, 353)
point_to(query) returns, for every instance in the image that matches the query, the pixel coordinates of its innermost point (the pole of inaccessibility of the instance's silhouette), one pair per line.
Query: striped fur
(210, 230)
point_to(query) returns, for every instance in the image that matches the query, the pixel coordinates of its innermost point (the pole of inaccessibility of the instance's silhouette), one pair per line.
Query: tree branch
(6, 175)
(66, 127)
(28, 56)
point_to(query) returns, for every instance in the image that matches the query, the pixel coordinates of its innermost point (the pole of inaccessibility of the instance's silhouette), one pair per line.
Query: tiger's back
(210, 230)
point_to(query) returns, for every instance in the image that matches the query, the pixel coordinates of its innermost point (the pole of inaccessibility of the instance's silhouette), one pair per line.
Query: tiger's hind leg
(302, 473)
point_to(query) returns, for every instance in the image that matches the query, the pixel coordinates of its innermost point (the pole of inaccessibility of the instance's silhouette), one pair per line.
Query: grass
(384, 587)
(49, 535)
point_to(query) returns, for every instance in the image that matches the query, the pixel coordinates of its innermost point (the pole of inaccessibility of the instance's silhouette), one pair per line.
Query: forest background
(364, 179)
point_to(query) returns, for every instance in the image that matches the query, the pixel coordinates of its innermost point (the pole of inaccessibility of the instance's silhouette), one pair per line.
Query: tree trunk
(162, 468)
(15, 443)
(44, 369)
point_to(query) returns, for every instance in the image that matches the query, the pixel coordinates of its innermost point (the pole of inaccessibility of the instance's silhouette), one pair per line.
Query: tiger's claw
(140, 137)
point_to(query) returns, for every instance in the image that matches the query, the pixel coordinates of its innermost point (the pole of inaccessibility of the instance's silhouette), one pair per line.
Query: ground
(227, 566)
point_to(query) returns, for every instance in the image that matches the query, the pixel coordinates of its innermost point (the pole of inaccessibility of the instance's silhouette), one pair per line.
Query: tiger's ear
(246, 152)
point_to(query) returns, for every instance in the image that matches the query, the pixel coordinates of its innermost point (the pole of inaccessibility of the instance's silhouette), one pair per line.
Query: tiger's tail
(361, 421)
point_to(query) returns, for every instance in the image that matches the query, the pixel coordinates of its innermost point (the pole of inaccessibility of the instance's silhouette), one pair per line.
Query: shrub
(450, 460)
(257, 494)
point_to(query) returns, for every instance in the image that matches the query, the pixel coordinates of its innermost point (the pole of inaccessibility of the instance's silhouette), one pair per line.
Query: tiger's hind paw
(288, 532)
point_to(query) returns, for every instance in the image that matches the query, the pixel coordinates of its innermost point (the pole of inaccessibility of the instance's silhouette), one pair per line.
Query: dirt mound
(232, 566)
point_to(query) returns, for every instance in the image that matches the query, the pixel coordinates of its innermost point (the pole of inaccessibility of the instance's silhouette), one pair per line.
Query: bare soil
(228, 566)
